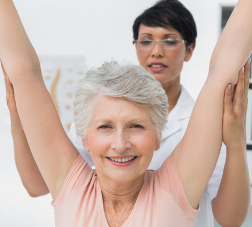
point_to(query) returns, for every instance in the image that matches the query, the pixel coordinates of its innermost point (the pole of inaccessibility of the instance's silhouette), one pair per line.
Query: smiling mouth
(122, 160)
(158, 66)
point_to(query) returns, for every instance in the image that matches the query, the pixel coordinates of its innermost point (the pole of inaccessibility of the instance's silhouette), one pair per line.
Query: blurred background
(73, 36)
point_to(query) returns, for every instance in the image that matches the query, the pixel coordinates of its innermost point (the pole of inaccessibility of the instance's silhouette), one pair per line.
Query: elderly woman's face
(121, 139)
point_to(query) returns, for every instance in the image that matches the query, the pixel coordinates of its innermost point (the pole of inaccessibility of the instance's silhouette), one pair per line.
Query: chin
(161, 78)
(125, 176)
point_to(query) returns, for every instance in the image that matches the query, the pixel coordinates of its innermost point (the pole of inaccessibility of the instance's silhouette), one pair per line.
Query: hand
(235, 109)
(11, 103)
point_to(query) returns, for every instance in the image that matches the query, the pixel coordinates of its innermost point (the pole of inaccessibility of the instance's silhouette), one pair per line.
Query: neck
(118, 201)
(172, 90)
(117, 194)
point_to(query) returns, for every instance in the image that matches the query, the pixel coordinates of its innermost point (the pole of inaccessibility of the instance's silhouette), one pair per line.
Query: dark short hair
(165, 14)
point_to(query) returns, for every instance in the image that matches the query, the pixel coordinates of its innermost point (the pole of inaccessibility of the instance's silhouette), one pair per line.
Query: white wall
(99, 30)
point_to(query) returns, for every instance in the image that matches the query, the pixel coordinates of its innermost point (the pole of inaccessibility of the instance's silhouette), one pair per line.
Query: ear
(85, 144)
(157, 144)
(189, 52)
(137, 54)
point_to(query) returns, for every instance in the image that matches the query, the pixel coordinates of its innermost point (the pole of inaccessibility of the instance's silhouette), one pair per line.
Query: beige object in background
(61, 75)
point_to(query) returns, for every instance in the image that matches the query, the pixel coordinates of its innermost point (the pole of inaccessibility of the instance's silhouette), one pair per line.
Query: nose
(121, 141)
(157, 51)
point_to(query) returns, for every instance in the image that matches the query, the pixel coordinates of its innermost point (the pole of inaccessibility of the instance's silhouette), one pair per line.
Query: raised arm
(26, 165)
(231, 205)
(50, 146)
(198, 151)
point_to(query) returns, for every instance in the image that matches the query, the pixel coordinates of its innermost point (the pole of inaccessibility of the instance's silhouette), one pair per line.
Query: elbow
(36, 191)
(31, 194)
(36, 194)
(237, 224)
(234, 221)
(222, 78)
(222, 71)
(230, 218)
(23, 70)
(225, 65)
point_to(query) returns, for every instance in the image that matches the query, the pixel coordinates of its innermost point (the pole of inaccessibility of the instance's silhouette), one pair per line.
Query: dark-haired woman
(165, 37)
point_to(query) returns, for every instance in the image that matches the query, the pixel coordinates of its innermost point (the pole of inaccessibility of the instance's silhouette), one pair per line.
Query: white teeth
(157, 66)
(122, 159)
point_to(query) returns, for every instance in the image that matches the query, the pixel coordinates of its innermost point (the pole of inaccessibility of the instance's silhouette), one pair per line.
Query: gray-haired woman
(124, 124)
(165, 37)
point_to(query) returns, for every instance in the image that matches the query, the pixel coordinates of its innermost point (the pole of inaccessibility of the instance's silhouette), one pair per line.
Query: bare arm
(231, 205)
(198, 151)
(26, 165)
(50, 146)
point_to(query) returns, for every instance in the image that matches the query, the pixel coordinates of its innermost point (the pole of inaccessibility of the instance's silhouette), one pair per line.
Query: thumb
(10, 97)
(228, 99)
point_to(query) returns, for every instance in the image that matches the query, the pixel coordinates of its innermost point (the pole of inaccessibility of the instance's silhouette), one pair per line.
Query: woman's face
(171, 61)
(121, 139)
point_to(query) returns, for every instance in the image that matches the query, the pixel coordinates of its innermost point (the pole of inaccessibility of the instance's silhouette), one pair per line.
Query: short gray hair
(127, 81)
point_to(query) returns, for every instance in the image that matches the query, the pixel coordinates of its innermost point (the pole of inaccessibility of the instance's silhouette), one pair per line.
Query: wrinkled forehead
(113, 109)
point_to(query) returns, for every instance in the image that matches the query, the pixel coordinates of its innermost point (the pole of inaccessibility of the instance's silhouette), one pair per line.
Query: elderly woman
(164, 36)
(120, 112)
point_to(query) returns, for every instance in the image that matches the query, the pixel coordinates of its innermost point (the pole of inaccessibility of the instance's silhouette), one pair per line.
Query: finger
(5, 74)
(239, 92)
(234, 90)
(10, 97)
(228, 99)
(11, 92)
(245, 109)
(6, 82)
(246, 79)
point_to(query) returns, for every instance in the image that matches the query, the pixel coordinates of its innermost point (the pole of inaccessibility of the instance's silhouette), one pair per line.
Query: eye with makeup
(170, 42)
(145, 42)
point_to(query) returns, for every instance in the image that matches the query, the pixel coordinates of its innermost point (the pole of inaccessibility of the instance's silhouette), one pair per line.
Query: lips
(122, 161)
(157, 66)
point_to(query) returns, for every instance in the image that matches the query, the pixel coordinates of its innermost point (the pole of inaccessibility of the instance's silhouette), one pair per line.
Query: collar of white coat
(181, 110)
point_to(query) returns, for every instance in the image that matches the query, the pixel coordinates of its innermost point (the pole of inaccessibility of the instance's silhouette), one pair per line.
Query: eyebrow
(164, 35)
(103, 121)
(171, 34)
(138, 120)
(108, 121)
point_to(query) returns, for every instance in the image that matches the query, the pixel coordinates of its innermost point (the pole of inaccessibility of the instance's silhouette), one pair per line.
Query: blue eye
(104, 127)
(136, 126)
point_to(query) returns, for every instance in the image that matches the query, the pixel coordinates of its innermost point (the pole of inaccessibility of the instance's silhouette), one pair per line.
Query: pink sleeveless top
(161, 202)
